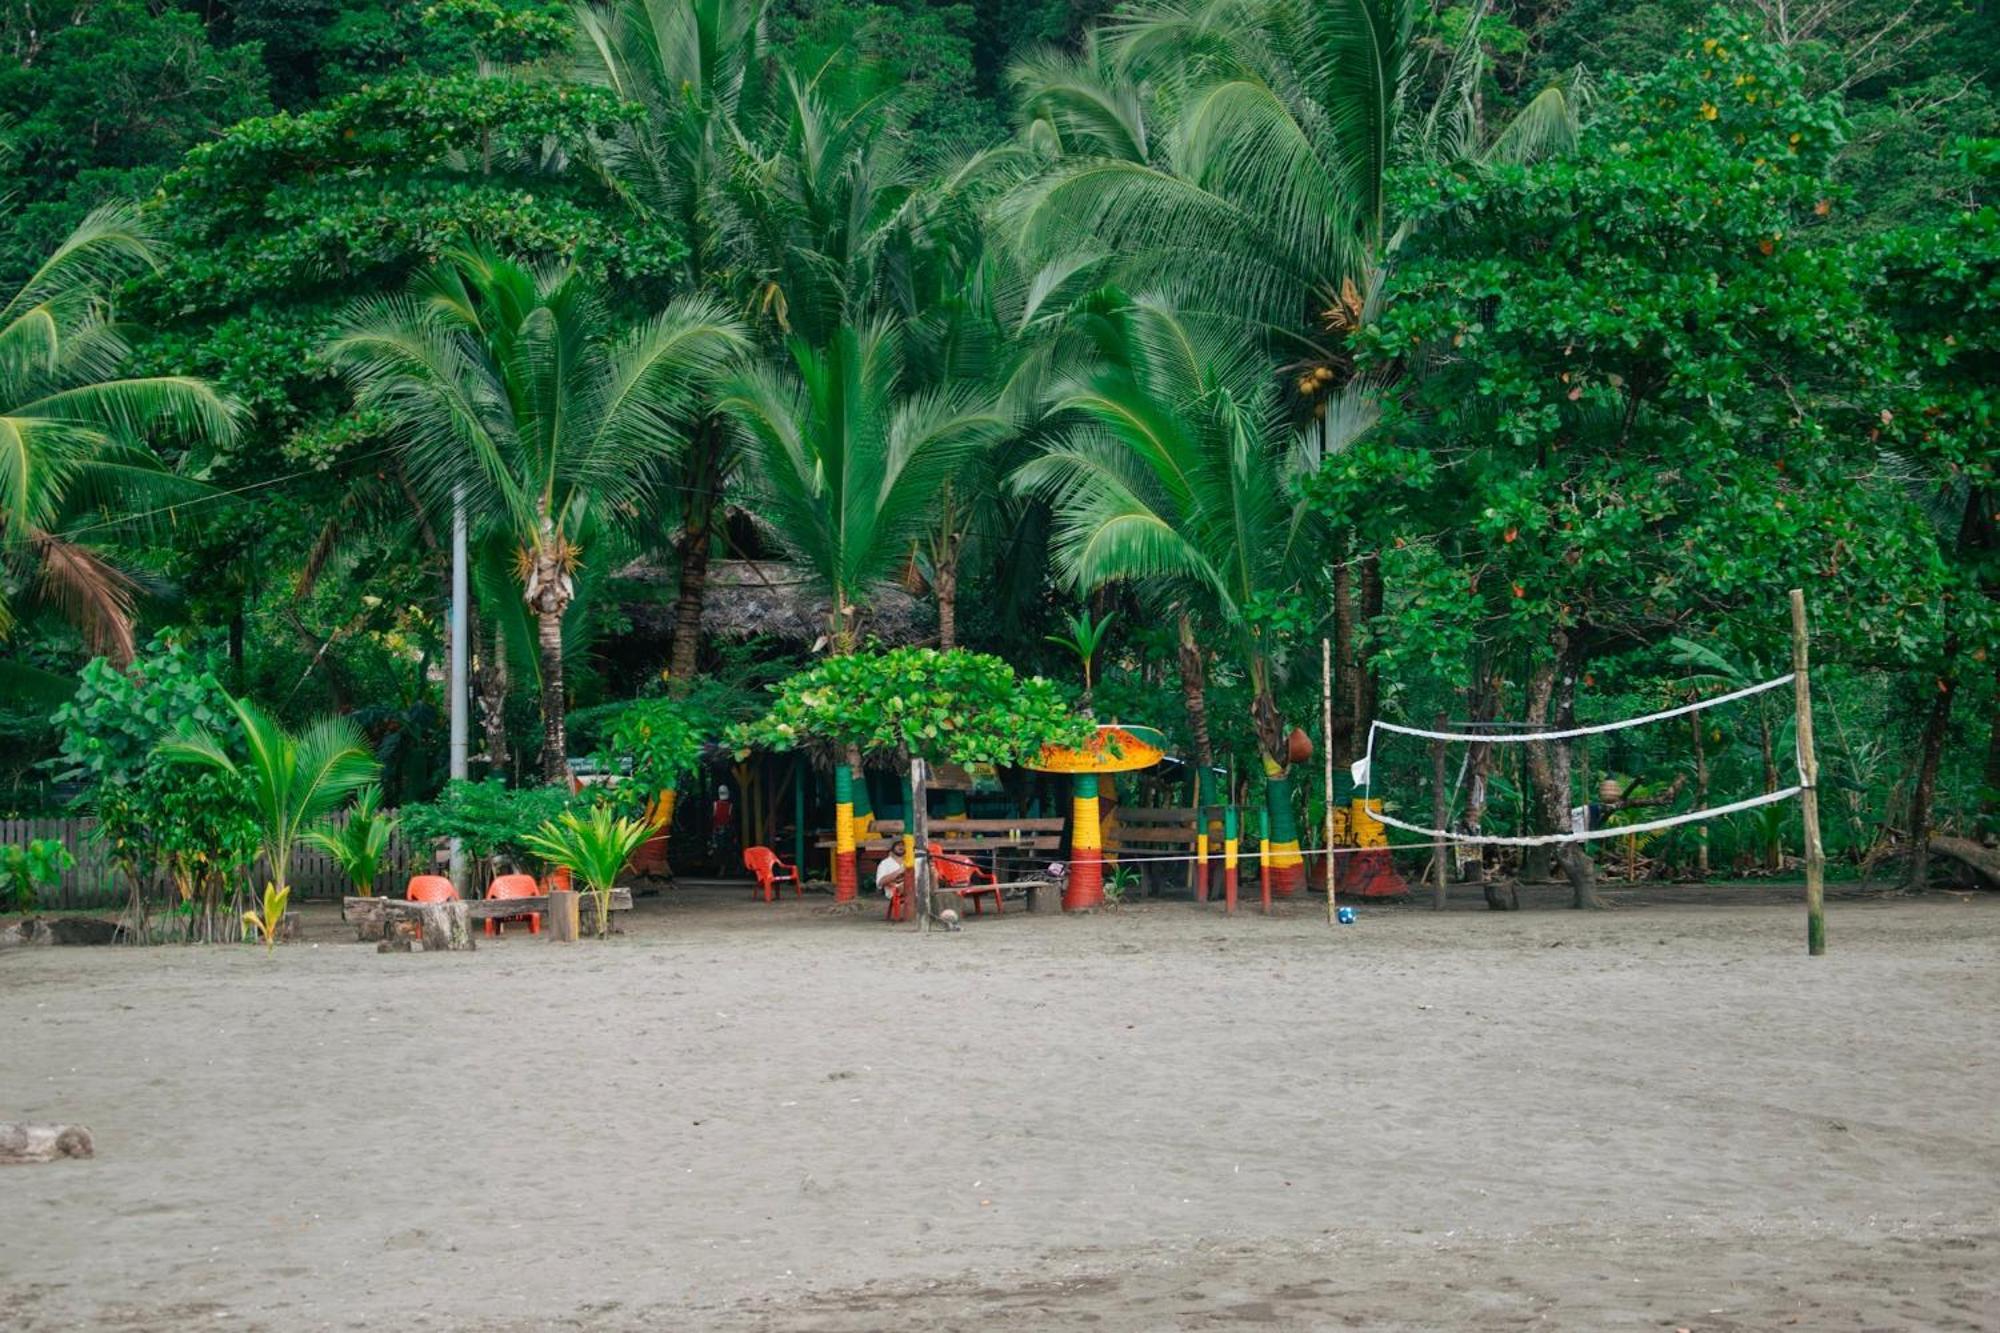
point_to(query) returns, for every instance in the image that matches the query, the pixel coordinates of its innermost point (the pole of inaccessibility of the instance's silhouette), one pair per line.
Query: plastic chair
(430, 889)
(557, 880)
(960, 876)
(765, 865)
(514, 886)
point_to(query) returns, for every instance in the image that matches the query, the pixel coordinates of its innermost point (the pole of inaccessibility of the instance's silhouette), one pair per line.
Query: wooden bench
(1159, 831)
(371, 917)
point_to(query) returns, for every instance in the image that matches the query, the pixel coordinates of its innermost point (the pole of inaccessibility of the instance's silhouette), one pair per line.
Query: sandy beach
(739, 1116)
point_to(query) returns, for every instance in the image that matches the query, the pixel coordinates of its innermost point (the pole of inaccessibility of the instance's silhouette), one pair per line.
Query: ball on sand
(949, 916)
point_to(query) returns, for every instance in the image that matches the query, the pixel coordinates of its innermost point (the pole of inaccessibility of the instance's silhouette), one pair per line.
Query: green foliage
(359, 845)
(1085, 637)
(960, 707)
(1637, 386)
(489, 818)
(27, 869)
(293, 778)
(655, 744)
(594, 849)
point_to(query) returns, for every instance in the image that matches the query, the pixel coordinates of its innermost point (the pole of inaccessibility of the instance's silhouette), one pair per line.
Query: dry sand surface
(747, 1117)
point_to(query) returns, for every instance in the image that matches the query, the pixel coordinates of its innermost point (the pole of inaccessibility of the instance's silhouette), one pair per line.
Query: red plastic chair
(765, 865)
(514, 886)
(430, 889)
(961, 876)
(557, 880)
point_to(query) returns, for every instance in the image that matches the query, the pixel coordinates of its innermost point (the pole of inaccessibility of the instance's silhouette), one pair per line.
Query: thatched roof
(769, 597)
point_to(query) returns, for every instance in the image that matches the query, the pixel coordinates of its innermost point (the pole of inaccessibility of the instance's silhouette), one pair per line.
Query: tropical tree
(513, 387)
(846, 462)
(359, 845)
(294, 778)
(594, 849)
(73, 432)
(1182, 475)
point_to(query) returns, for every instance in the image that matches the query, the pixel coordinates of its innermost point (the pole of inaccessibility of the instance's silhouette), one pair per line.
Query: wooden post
(1264, 856)
(1808, 781)
(1326, 748)
(564, 924)
(1440, 811)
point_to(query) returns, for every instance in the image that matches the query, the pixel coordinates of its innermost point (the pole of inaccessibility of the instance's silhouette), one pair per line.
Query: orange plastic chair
(961, 876)
(765, 865)
(514, 886)
(430, 889)
(557, 879)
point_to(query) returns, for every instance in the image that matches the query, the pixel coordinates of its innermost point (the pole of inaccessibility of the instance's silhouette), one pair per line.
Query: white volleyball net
(1407, 768)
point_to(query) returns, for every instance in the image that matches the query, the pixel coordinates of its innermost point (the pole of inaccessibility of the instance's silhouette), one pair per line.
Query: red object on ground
(960, 876)
(765, 865)
(558, 880)
(1084, 888)
(514, 886)
(1370, 873)
(430, 889)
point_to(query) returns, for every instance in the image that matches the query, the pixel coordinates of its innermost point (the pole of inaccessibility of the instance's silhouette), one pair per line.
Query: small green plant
(266, 921)
(489, 818)
(27, 869)
(593, 849)
(1085, 637)
(1119, 882)
(358, 848)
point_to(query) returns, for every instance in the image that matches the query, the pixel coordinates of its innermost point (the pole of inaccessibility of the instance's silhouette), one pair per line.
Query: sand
(746, 1117)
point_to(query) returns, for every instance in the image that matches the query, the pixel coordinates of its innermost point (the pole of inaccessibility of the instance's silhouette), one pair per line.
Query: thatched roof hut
(768, 597)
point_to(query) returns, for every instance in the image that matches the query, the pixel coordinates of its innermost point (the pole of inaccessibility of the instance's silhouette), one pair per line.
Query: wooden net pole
(1326, 748)
(1808, 781)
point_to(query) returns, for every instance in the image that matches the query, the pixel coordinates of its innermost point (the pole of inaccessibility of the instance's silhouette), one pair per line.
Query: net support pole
(1808, 782)
(1326, 750)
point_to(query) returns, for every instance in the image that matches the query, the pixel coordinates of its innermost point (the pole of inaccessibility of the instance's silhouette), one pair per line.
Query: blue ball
(1345, 915)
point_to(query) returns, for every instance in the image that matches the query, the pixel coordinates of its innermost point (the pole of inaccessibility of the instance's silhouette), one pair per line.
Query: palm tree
(294, 779)
(1181, 474)
(1236, 153)
(73, 433)
(515, 385)
(847, 462)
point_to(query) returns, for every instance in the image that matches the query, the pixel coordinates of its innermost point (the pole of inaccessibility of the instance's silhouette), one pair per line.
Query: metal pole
(1808, 782)
(460, 597)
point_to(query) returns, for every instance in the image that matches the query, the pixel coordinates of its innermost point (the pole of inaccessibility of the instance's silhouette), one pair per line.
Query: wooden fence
(92, 882)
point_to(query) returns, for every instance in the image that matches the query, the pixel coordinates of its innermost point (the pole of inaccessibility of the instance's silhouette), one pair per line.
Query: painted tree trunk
(1084, 887)
(1937, 723)
(845, 882)
(1281, 856)
(1231, 856)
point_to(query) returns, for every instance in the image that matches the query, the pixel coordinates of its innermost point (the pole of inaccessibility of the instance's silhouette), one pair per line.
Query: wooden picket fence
(93, 884)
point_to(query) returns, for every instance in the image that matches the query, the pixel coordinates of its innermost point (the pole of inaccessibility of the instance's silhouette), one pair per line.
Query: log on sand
(1983, 862)
(43, 1143)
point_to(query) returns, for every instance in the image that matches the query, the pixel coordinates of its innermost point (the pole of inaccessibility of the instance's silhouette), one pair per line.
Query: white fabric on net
(1364, 773)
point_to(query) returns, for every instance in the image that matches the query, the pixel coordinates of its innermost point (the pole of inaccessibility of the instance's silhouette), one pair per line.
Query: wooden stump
(447, 927)
(1045, 898)
(43, 1143)
(563, 924)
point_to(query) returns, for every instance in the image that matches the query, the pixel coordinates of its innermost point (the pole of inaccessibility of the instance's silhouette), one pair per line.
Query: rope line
(1592, 835)
(1593, 730)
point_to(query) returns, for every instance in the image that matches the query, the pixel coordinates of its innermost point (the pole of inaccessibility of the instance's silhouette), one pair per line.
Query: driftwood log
(1983, 862)
(446, 927)
(43, 1143)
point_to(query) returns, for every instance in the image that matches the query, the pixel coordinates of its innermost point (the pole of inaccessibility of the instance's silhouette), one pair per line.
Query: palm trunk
(549, 592)
(1937, 722)
(555, 742)
(946, 588)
